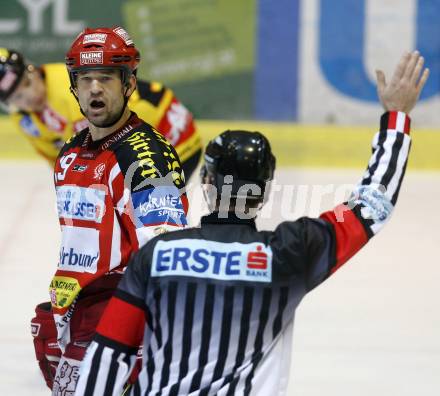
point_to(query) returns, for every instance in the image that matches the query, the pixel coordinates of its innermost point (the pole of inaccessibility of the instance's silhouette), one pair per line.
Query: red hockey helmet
(102, 48)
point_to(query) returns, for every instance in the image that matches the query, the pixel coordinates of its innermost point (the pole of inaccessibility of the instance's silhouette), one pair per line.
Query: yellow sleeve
(46, 144)
(158, 106)
(62, 120)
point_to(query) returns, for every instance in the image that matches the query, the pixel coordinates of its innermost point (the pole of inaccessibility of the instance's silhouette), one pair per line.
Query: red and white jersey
(113, 195)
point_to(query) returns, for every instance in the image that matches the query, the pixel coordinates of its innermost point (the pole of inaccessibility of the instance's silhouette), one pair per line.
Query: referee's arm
(372, 201)
(337, 235)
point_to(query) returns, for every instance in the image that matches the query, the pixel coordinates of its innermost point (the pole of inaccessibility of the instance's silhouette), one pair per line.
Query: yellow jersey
(61, 119)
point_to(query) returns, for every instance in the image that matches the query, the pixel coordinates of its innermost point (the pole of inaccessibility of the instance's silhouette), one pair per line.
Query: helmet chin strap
(110, 124)
(72, 91)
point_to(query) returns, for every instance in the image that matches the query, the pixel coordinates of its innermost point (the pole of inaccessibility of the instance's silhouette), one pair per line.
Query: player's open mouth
(97, 104)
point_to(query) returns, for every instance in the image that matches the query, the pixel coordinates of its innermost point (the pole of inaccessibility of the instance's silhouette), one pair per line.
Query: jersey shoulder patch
(74, 141)
(28, 126)
(152, 92)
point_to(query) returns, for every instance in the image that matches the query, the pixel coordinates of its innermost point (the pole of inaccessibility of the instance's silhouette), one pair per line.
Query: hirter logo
(257, 260)
(91, 58)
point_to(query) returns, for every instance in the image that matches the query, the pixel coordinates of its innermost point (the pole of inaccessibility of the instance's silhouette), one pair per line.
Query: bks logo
(80, 210)
(80, 203)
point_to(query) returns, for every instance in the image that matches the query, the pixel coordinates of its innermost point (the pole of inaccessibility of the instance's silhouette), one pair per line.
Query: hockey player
(219, 301)
(39, 103)
(42, 108)
(118, 183)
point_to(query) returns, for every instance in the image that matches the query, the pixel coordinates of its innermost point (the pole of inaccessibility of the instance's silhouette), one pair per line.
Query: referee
(218, 302)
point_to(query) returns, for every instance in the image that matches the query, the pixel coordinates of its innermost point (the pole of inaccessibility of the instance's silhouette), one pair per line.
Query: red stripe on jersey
(407, 126)
(122, 322)
(185, 203)
(163, 223)
(118, 187)
(350, 233)
(79, 223)
(392, 120)
(130, 244)
(129, 218)
(397, 120)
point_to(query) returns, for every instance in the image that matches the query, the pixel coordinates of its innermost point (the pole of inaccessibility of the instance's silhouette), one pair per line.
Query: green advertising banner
(203, 49)
(182, 40)
(44, 29)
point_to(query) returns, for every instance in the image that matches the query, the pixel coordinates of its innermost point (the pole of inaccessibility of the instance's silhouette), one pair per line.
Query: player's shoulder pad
(146, 154)
(58, 69)
(57, 79)
(151, 91)
(74, 141)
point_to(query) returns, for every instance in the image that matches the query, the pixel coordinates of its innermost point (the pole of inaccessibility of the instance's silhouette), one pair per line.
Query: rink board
(293, 144)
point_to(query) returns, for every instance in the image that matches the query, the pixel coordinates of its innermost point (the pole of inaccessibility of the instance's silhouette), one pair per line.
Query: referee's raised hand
(408, 79)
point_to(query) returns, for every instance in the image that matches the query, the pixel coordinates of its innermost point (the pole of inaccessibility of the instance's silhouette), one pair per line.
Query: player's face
(101, 95)
(30, 94)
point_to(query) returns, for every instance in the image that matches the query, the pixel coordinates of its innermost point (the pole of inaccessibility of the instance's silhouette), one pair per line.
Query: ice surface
(372, 329)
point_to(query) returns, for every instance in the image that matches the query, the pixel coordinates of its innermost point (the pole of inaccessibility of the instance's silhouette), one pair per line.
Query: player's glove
(47, 350)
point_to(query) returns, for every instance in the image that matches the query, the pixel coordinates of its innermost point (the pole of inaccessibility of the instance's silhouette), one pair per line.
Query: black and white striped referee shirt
(218, 302)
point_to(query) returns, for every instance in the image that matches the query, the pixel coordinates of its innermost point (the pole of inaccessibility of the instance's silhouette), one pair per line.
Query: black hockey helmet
(244, 155)
(12, 68)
